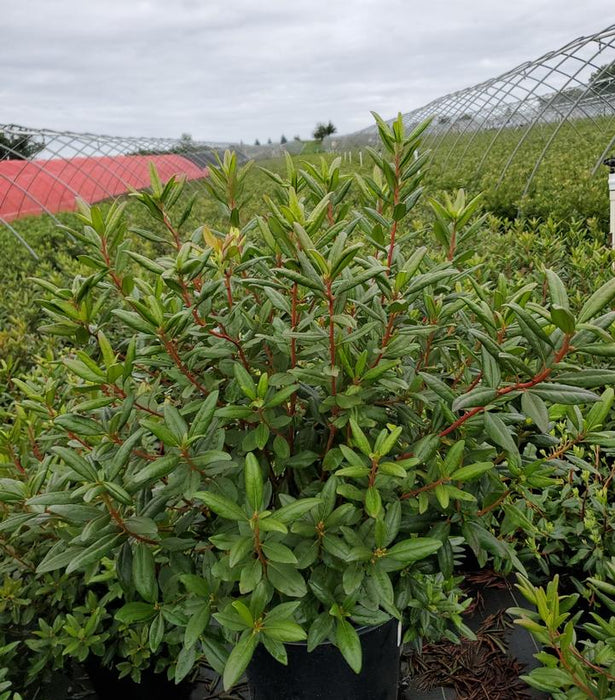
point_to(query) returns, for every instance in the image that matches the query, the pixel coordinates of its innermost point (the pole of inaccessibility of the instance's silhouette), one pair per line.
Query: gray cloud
(243, 70)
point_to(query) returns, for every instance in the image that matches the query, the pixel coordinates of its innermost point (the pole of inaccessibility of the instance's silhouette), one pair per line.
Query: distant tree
(186, 143)
(323, 130)
(283, 139)
(297, 138)
(19, 146)
(269, 142)
(602, 80)
(257, 142)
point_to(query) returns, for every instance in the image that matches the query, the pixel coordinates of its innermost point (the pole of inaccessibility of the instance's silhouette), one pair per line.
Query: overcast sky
(231, 70)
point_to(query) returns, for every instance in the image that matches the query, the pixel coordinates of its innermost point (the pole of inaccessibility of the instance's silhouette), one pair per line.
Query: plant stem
(519, 386)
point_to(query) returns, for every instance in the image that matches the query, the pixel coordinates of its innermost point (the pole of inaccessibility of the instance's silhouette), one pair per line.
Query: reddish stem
(331, 301)
(395, 203)
(519, 386)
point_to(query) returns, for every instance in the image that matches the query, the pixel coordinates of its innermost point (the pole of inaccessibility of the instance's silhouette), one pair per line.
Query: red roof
(33, 187)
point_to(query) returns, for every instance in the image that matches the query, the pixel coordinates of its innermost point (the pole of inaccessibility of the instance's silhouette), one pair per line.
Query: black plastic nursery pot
(323, 673)
(153, 686)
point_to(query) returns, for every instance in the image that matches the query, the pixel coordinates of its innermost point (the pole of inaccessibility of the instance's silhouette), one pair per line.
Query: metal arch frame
(518, 107)
(104, 146)
(558, 129)
(20, 238)
(63, 182)
(539, 84)
(537, 120)
(65, 146)
(521, 103)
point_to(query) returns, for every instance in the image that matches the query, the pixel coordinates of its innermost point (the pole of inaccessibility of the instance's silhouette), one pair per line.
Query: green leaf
(239, 659)
(348, 642)
(373, 502)
(409, 551)
(286, 579)
(175, 422)
(269, 524)
(454, 456)
(354, 472)
(156, 633)
(597, 301)
(245, 381)
(500, 433)
(144, 572)
(275, 551)
(135, 612)
(534, 407)
(253, 481)
(82, 370)
(146, 262)
(360, 278)
(284, 630)
(442, 495)
(548, 679)
(471, 471)
(185, 663)
(391, 469)
(195, 584)
(563, 319)
(54, 560)
(320, 629)
(281, 396)
(155, 470)
(204, 417)
(118, 493)
(77, 463)
(134, 321)
(250, 577)
(161, 431)
(196, 624)
(276, 649)
(281, 447)
(221, 505)
(390, 441)
(94, 553)
(242, 547)
(359, 438)
(563, 394)
(295, 510)
(557, 291)
(476, 397)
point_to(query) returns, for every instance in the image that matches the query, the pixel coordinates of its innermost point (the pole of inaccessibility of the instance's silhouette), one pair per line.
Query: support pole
(610, 164)
(612, 197)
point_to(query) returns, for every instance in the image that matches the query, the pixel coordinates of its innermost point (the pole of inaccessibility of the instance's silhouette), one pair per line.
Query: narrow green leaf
(412, 550)
(196, 624)
(275, 551)
(253, 481)
(359, 438)
(202, 420)
(144, 572)
(185, 663)
(221, 505)
(77, 463)
(135, 612)
(597, 301)
(94, 553)
(239, 659)
(557, 291)
(471, 471)
(156, 470)
(348, 642)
